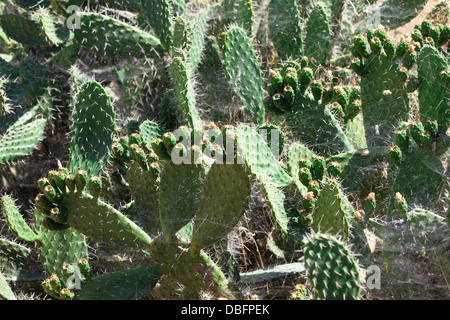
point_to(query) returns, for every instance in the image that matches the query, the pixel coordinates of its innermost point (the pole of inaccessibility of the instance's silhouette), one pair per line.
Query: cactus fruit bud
(402, 49)
(169, 141)
(353, 109)
(318, 165)
(135, 138)
(43, 204)
(314, 187)
(159, 148)
(417, 36)
(70, 183)
(410, 58)
(403, 73)
(152, 157)
(445, 76)
(357, 66)
(376, 45)
(57, 179)
(276, 79)
(56, 215)
(306, 76)
(50, 193)
(305, 176)
(340, 95)
(85, 269)
(124, 141)
(138, 155)
(309, 202)
(304, 62)
(416, 129)
(299, 292)
(66, 294)
(81, 180)
(305, 163)
(118, 151)
(370, 204)
(432, 127)
(400, 206)
(316, 89)
(359, 43)
(42, 183)
(444, 37)
(95, 186)
(55, 283)
(402, 140)
(280, 102)
(291, 80)
(334, 168)
(337, 110)
(271, 90)
(68, 270)
(155, 168)
(289, 95)
(389, 48)
(48, 287)
(395, 155)
(380, 33)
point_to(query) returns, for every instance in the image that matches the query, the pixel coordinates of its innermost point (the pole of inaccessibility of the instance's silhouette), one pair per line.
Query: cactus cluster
(153, 130)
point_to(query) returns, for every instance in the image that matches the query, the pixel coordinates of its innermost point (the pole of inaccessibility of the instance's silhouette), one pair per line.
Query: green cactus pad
(5, 291)
(94, 128)
(144, 190)
(285, 28)
(434, 96)
(424, 229)
(131, 284)
(149, 131)
(420, 179)
(25, 31)
(259, 158)
(358, 166)
(284, 212)
(109, 37)
(382, 93)
(56, 248)
(55, 32)
(19, 263)
(318, 36)
(223, 202)
(185, 93)
(87, 216)
(333, 213)
(331, 269)
(159, 13)
(16, 222)
(317, 128)
(179, 192)
(244, 77)
(198, 39)
(21, 141)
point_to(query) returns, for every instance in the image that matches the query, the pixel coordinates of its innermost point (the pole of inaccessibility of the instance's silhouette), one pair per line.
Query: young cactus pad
(331, 269)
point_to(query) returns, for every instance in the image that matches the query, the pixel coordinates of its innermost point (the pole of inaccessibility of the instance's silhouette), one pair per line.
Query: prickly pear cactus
(331, 269)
